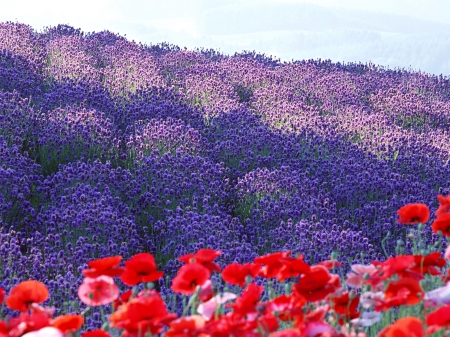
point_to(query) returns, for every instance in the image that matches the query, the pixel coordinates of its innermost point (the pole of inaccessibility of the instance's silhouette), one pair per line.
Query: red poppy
(404, 327)
(444, 205)
(106, 266)
(190, 276)
(26, 293)
(186, 326)
(442, 223)
(96, 333)
(123, 298)
(317, 284)
(292, 267)
(287, 307)
(204, 257)
(271, 262)
(405, 291)
(427, 264)
(330, 264)
(439, 318)
(248, 300)
(26, 322)
(399, 265)
(68, 323)
(140, 268)
(144, 314)
(236, 273)
(346, 306)
(2, 295)
(413, 214)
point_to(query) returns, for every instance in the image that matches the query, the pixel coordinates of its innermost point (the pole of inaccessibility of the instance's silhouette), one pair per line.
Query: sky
(410, 34)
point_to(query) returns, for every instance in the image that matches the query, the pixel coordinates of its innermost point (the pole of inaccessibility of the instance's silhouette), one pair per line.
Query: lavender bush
(112, 147)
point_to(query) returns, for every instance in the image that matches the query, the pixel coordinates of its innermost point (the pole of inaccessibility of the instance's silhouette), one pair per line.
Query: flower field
(151, 190)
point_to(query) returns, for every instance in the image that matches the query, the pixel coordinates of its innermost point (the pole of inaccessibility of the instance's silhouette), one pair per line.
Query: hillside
(109, 147)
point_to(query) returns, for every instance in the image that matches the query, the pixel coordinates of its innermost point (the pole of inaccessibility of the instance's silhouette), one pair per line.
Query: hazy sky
(394, 33)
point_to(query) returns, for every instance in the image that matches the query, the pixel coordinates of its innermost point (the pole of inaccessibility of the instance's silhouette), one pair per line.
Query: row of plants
(406, 295)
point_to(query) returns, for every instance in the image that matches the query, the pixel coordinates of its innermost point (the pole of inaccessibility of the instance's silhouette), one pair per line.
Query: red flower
(98, 291)
(330, 264)
(413, 214)
(26, 323)
(186, 326)
(439, 318)
(2, 295)
(405, 291)
(427, 264)
(317, 284)
(292, 267)
(140, 268)
(236, 273)
(248, 300)
(123, 298)
(204, 257)
(106, 266)
(272, 263)
(142, 314)
(345, 306)
(399, 265)
(442, 223)
(287, 307)
(444, 206)
(96, 333)
(26, 293)
(189, 277)
(404, 327)
(68, 323)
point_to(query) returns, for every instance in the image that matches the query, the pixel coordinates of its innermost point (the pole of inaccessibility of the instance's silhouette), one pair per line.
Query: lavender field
(108, 147)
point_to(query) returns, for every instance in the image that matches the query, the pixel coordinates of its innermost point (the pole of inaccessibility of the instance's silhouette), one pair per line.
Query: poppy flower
(204, 257)
(344, 305)
(68, 323)
(236, 273)
(190, 276)
(444, 205)
(330, 264)
(398, 265)
(407, 326)
(123, 298)
(144, 314)
(96, 333)
(413, 214)
(405, 291)
(287, 307)
(186, 326)
(26, 293)
(317, 284)
(105, 266)
(2, 295)
(26, 322)
(140, 268)
(439, 318)
(98, 291)
(355, 278)
(427, 264)
(438, 296)
(442, 223)
(248, 300)
(271, 262)
(291, 267)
